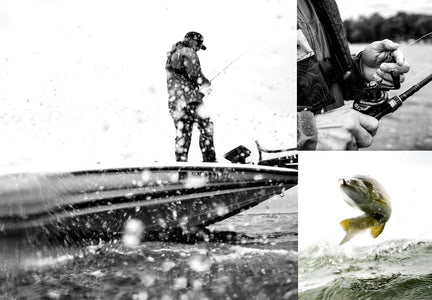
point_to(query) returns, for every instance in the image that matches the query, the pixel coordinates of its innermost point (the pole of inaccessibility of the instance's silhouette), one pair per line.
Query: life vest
(314, 77)
(177, 67)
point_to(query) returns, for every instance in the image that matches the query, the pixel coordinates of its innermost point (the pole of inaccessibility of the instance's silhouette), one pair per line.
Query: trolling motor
(373, 98)
(239, 154)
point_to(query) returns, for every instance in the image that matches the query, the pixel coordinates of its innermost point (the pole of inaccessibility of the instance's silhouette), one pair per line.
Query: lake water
(253, 257)
(396, 269)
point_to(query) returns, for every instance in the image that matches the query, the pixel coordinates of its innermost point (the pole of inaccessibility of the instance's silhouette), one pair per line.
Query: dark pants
(184, 126)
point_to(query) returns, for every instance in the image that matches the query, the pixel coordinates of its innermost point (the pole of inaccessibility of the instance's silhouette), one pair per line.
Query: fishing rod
(231, 63)
(207, 90)
(374, 101)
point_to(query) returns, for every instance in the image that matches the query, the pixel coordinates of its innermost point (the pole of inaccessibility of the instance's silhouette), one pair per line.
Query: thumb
(397, 54)
(388, 45)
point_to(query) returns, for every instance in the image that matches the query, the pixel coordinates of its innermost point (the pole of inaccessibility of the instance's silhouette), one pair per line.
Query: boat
(165, 198)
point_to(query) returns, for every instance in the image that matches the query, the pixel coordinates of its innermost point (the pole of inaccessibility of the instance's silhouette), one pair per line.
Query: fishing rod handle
(390, 106)
(395, 102)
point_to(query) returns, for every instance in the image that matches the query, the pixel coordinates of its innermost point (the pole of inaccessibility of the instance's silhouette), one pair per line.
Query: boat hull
(164, 198)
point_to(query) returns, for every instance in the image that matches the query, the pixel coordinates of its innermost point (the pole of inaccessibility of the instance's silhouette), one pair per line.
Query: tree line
(401, 27)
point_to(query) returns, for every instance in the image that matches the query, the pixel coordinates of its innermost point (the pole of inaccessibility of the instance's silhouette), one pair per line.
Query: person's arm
(203, 81)
(339, 129)
(193, 68)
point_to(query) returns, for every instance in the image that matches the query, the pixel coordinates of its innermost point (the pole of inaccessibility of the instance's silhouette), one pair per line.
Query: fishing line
(263, 38)
(260, 40)
(420, 38)
(233, 61)
(415, 77)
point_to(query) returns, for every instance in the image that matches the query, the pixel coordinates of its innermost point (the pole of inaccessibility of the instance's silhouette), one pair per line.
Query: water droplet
(200, 263)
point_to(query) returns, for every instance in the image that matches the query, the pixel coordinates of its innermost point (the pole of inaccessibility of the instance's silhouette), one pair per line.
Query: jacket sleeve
(193, 67)
(306, 131)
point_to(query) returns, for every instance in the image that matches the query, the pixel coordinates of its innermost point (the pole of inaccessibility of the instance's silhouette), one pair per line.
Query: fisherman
(327, 76)
(186, 86)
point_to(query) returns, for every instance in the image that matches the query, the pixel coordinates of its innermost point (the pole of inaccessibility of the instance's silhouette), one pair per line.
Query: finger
(387, 45)
(388, 77)
(352, 145)
(362, 127)
(368, 123)
(384, 75)
(381, 81)
(386, 84)
(398, 57)
(401, 69)
(362, 137)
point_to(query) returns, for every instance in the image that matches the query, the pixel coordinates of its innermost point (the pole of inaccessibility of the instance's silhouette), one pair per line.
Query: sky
(354, 9)
(405, 175)
(84, 86)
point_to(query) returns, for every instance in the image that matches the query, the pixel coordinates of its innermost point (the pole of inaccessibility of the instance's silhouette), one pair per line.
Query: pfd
(177, 67)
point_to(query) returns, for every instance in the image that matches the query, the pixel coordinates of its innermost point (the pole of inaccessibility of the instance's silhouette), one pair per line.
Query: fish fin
(355, 225)
(348, 236)
(350, 230)
(377, 229)
(346, 224)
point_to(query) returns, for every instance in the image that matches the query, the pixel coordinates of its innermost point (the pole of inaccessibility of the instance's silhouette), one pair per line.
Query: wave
(394, 286)
(324, 253)
(327, 271)
(238, 252)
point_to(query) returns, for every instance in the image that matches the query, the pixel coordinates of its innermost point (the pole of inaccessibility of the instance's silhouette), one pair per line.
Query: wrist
(306, 131)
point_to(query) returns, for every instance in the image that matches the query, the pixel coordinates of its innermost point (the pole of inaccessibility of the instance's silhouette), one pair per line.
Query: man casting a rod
(186, 82)
(328, 75)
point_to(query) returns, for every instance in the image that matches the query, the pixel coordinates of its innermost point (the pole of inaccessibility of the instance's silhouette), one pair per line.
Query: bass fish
(369, 196)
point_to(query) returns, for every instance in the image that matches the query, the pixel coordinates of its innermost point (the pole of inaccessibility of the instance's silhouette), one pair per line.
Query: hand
(206, 85)
(344, 129)
(205, 88)
(379, 59)
(200, 95)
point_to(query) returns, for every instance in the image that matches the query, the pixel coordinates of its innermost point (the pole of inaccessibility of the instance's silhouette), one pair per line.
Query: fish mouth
(344, 183)
(353, 191)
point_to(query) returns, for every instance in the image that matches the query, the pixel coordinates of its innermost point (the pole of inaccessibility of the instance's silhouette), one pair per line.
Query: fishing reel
(372, 99)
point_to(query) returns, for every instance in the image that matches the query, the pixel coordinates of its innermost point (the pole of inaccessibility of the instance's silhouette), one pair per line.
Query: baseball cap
(192, 35)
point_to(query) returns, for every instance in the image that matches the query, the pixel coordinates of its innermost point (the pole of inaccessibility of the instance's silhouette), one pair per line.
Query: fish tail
(346, 224)
(350, 230)
(354, 226)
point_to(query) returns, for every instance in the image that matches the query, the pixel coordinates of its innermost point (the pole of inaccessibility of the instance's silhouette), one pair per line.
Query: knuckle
(375, 43)
(350, 123)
